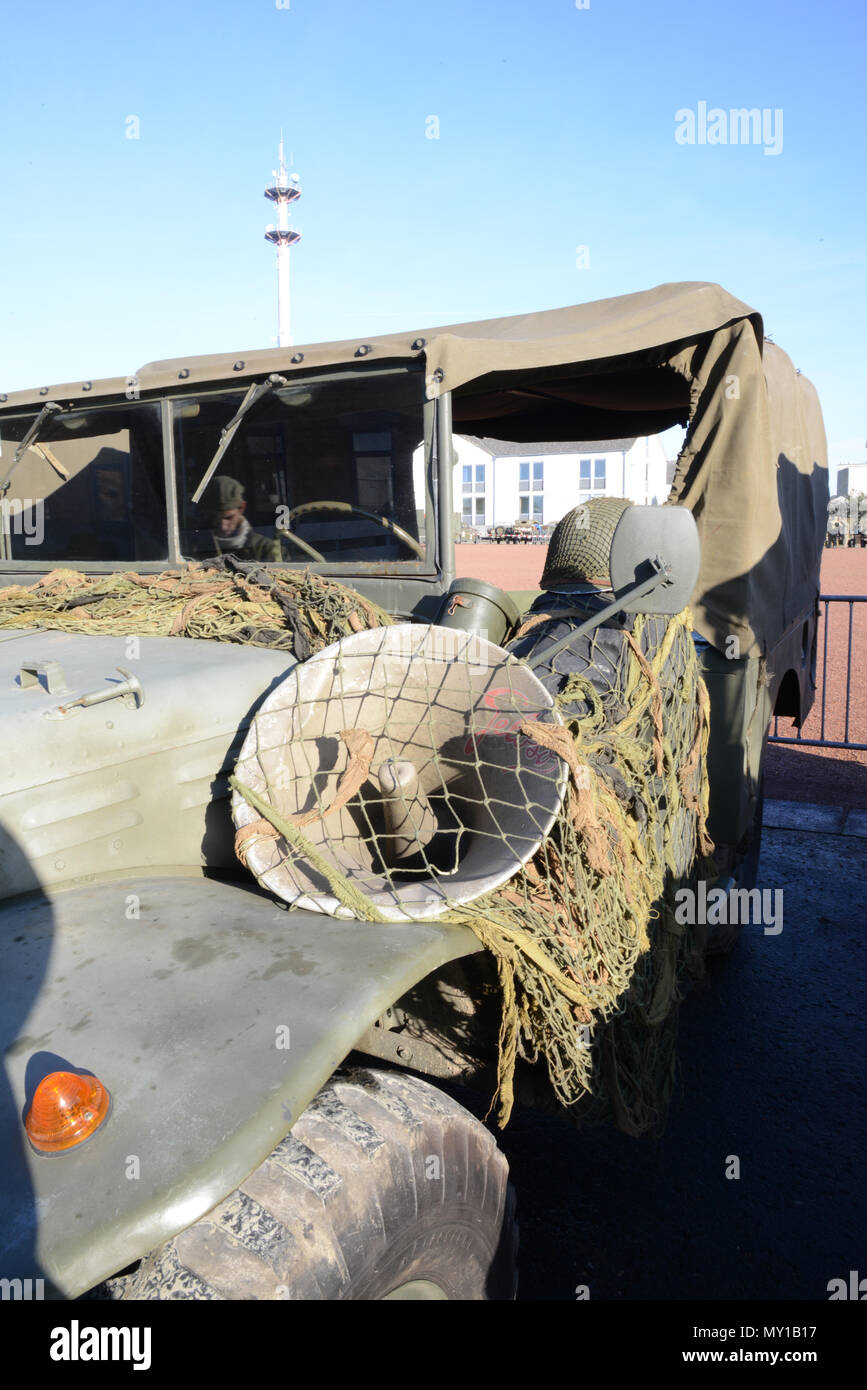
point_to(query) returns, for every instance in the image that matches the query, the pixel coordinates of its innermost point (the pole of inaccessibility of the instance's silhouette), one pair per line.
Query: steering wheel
(348, 507)
(302, 545)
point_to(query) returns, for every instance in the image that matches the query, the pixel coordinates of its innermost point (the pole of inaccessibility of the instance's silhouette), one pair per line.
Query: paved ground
(771, 1072)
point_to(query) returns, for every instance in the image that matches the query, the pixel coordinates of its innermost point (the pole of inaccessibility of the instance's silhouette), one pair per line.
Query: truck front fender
(212, 1016)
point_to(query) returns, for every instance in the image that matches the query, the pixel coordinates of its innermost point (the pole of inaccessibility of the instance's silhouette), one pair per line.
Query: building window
(591, 474)
(473, 494)
(531, 479)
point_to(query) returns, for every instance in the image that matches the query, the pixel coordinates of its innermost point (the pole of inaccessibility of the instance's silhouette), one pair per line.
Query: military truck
(209, 1092)
(518, 533)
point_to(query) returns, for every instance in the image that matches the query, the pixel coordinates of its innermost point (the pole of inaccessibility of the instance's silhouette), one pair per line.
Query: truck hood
(116, 786)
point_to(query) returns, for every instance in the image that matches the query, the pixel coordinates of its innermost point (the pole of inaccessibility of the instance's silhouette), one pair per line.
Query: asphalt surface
(771, 1071)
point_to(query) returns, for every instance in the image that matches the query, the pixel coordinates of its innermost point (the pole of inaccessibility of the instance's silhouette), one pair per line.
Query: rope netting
(452, 804)
(554, 814)
(289, 610)
(388, 776)
(598, 897)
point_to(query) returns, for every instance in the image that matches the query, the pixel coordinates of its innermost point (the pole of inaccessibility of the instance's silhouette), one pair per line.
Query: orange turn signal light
(66, 1110)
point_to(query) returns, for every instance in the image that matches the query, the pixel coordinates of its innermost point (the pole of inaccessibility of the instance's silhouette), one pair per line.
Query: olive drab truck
(297, 828)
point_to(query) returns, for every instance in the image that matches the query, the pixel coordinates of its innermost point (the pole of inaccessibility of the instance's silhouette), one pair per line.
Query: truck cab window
(316, 472)
(89, 486)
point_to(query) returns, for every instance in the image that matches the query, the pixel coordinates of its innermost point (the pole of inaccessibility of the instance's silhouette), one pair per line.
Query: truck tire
(385, 1188)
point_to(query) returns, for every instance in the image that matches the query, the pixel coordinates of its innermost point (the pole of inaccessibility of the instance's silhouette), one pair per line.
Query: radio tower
(284, 191)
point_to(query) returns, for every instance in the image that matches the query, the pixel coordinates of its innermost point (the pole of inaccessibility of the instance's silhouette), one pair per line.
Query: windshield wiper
(254, 394)
(50, 409)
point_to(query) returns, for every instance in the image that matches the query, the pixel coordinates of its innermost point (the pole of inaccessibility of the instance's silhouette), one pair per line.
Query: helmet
(580, 548)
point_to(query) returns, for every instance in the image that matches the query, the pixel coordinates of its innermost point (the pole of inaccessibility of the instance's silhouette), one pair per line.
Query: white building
(497, 483)
(852, 478)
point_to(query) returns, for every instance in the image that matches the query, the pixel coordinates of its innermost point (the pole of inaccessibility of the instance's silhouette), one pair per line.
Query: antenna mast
(285, 190)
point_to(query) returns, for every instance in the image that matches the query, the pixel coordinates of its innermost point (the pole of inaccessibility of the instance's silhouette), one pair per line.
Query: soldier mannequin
(232, 532)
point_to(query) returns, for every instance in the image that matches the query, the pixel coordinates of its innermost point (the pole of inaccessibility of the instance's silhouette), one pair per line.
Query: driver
(232, 532)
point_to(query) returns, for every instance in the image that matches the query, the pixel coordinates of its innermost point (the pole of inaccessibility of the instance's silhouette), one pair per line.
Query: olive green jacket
(261, 548)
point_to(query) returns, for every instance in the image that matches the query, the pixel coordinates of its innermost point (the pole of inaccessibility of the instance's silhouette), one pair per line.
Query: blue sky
(556, 131)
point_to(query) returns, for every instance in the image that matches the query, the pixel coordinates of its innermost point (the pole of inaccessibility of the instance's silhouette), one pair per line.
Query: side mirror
(654, 561)
(647, 539)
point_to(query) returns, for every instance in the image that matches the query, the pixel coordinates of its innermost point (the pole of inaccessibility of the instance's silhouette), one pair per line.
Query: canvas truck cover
(753, 468)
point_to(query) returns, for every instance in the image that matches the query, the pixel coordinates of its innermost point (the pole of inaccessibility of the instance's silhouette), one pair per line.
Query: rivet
(183, 373)
(43, 390)
(438, 374)
(363, 350)
(419, 344)
(238, 366)
(297, 357)
(87, 386)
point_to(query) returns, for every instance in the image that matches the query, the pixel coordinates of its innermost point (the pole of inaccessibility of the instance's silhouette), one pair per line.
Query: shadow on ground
(770, 1072)
(794, 774)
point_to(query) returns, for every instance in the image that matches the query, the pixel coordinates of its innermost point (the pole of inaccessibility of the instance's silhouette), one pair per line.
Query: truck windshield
(326, 471)
(90, 486)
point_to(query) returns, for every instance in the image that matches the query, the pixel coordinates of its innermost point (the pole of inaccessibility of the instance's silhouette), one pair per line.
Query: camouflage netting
(599, 894)
(584, 935)
(286, 609)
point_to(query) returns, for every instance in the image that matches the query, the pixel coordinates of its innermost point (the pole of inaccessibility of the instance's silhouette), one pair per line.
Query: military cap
(224, 494)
